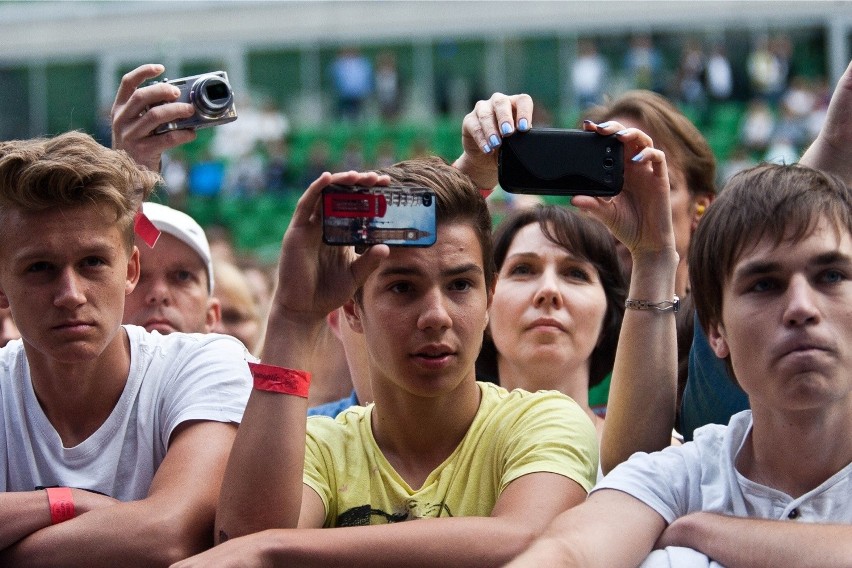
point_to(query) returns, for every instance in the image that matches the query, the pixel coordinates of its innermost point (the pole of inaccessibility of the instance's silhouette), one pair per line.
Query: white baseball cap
(182, 226)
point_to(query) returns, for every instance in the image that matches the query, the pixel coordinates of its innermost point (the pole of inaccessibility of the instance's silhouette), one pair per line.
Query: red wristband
(278, 379)
(61, 502)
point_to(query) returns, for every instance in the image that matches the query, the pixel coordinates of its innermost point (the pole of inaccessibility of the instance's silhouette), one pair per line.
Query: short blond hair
(71, 170)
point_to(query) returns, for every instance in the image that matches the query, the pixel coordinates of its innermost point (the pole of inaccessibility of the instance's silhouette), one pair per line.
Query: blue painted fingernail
(637, 158)
(494, 140)
(523, 125)
(486, 149)
(621, 132)
(506, 128)
(587, 121)
(603, 125)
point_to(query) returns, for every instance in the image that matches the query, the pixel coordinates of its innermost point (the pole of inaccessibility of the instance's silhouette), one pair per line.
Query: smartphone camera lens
(609, 163)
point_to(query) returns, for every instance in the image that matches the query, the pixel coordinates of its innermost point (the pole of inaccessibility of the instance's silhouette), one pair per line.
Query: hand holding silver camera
(212, 97)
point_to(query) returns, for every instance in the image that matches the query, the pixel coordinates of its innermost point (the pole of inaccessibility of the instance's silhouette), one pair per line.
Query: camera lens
(608, 163)
(212, 95)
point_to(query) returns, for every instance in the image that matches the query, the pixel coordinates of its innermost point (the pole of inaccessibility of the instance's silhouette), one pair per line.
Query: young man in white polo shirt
(771, 269)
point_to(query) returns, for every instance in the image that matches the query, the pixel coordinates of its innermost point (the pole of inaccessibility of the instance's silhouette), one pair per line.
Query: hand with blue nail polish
(483, 130)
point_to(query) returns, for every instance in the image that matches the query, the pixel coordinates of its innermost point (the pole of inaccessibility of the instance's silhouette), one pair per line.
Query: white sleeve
(210, 381)
(668, 481)
(678, 557)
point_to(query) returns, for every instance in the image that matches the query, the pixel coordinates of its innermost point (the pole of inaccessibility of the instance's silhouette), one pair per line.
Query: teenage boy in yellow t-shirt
(483, 470)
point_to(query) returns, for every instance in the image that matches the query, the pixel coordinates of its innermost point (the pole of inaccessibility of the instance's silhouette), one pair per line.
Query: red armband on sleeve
(279, 379)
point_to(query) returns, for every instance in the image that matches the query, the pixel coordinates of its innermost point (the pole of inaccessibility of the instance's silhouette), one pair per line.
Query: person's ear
(353, 315)
(333, 322)
(214, 313)
(701, 203)
(134, 269)
(716, 336)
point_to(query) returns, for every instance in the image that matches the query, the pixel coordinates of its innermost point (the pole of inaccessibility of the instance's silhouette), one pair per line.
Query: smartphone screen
(391, 215)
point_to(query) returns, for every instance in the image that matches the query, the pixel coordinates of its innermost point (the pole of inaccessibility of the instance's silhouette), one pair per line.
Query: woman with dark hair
(558, 304)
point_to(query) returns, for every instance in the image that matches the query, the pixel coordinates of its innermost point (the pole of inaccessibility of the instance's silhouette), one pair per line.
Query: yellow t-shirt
(513, 434)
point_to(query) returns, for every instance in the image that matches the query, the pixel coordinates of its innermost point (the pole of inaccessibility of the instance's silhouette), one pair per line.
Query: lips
(74, 324)
(434, 351)
(159, 324)
(74, 327)
(434, 357)
(546, 323)
(803, 349)
(795, 344)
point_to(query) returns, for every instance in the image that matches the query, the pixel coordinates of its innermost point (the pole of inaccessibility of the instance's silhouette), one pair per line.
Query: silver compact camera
(212, 97)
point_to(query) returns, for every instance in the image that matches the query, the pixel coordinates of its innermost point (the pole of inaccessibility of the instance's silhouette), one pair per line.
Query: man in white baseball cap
(175, 290)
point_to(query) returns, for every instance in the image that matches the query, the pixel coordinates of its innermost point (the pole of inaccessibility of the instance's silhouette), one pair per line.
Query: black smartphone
(392, 215)
(551, 161)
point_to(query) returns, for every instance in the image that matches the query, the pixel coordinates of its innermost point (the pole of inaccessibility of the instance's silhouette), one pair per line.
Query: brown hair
(781, 202)
(71, 170)
(586, 239)
(458, 199)
(671, 131)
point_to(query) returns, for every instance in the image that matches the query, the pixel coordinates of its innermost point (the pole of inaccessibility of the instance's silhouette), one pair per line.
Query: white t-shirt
(701, 476)
(173, 378)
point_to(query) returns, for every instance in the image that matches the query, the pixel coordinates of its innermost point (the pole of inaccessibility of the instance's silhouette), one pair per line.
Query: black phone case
(547, 161)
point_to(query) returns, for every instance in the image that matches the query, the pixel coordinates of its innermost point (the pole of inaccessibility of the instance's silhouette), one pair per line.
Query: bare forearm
(610, 530)
(262, 488)
(641, 407)
(462, 541)
(755, 543)
(21, 514)
(128, 534)
(829, 155)
(484, 176)
(831, 150)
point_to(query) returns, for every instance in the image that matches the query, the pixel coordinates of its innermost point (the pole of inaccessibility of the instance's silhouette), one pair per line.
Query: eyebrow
(758, 267)
(449, 272)
(533, 254)
(50, 254)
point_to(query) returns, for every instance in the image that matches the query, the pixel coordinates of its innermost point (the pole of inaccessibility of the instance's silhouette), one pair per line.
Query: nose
(801, 306)
(434, 314)
(548, 293)
(156, 291)
(71, 292)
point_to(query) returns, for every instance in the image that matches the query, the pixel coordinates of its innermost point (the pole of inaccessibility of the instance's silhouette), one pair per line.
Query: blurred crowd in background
(244, 178)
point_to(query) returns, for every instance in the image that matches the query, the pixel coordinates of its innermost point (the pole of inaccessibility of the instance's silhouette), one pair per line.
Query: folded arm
(610, 530)
(174, 521)
(754, 543)
(522, 512)
(24, 512)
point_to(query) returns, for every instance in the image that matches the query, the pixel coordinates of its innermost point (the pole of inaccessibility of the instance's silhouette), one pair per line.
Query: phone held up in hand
(392, 215)
(550, 161)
